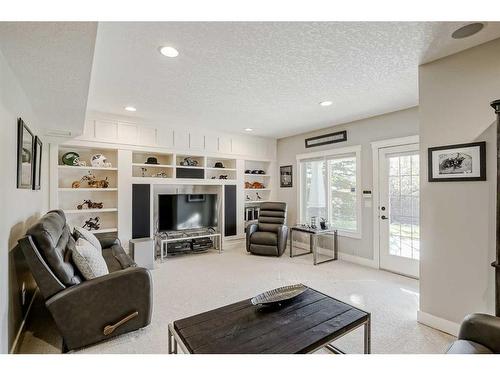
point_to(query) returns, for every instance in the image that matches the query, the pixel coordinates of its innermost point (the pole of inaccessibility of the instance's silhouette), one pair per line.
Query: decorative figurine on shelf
(92, 182)
(160, 175)
(92, 223)
(72, 159)
(248, 198)
(258, 196)
(144, 170)
(254, 185)
(189, 162)
(89, 204)
(99, 161)
(223, 177)
(219, 165)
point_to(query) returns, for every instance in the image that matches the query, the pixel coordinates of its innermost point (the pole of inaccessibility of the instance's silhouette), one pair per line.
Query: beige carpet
(187, 285)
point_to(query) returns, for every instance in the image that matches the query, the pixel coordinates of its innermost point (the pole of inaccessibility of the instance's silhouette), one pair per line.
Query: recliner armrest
(82, 311)
(282, 238)
(108, 242)
(252, 228)
(483, 329)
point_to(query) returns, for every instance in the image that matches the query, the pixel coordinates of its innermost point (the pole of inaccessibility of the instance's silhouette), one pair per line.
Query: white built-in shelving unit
(68, 198)
(253, 197)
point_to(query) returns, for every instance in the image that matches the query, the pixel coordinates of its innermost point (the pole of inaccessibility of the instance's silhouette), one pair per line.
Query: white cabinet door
(181, 140)
(225, 144)
(165, 137)
(147, 136)
(196, 141)
(106, 130)
(211, 143)
(127, 133)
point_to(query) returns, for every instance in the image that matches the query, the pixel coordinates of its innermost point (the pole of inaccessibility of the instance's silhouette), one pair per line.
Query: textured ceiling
(266, 76)
(53, 62)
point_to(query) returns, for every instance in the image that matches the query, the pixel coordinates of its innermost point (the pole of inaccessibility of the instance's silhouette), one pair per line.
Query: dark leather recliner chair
(269, 235)
(83, 309)
(479, 334)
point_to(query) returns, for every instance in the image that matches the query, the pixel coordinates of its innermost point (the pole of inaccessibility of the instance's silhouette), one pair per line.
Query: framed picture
(37, 166)
(25, 148)
(463, 162)
(326, 139)
(286, 177)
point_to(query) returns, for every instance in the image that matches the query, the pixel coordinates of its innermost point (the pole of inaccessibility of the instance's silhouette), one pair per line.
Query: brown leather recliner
(82, 309)
(269, 235)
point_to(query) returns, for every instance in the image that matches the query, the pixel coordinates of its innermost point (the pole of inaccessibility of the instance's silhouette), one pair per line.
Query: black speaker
(141, 202)
(229, 210)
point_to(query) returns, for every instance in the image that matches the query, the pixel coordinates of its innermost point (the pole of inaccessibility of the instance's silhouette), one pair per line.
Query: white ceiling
(266, 76)
(53, 62)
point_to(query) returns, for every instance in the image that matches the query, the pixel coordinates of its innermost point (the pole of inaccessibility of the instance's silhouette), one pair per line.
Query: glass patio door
(398, 217)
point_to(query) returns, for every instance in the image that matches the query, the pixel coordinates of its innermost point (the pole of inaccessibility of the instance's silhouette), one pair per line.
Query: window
(329, 188)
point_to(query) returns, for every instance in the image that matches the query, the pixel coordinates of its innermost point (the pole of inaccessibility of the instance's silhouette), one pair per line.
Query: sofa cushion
(89, 260)
(53, 240)
(79, 232)
(468, 347)
(264, 238)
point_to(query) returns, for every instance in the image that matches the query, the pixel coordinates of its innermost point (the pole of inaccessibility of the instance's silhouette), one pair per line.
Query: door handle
(383, 217)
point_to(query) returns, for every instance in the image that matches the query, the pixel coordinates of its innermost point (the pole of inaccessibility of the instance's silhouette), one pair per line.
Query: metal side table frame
(313, 243)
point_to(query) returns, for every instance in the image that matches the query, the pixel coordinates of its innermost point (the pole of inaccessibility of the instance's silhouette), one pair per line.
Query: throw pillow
(80, 232)
(89, 260)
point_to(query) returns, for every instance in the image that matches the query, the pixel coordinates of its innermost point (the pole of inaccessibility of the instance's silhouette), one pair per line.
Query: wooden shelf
(87, 168)
(105, 230)
(263, 189)
(221, 169)
(88, 189)
(257, 175)
(153, 165)
(82, 211)
(189, 167)
(261, 201)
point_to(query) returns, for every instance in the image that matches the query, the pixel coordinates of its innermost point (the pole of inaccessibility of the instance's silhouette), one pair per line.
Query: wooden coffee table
(307, 323)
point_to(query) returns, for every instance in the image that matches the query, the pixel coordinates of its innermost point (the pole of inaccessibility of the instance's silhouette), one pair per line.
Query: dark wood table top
(304, 324)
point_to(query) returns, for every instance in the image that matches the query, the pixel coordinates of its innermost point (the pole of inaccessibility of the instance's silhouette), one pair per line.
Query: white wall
(458, 218)
(18, 207)
(363, 132)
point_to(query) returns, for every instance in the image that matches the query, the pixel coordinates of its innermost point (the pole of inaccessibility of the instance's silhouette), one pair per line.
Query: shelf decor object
(496, 106)
(279, 295)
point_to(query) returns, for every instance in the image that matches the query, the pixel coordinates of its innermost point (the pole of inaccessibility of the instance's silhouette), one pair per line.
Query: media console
(173, 243)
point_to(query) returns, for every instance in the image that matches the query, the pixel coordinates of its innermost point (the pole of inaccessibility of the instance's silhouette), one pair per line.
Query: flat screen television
(186, 211)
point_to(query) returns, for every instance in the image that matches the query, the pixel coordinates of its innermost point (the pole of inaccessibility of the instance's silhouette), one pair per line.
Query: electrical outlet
(23, 294)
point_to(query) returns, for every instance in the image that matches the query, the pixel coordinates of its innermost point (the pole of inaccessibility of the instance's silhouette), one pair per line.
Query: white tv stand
(185, 236)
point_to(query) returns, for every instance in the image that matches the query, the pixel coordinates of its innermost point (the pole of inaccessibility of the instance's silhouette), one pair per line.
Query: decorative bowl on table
(279, 295)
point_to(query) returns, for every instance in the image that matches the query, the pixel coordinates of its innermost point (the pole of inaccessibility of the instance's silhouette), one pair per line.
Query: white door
(399, 224)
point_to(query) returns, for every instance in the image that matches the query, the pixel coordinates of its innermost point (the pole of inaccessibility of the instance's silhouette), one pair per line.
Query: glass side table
(314, 234)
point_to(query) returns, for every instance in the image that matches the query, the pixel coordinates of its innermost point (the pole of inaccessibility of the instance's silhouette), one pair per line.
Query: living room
(241, 187)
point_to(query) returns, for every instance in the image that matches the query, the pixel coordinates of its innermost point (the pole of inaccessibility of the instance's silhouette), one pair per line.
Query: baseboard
(23, 323)
(438, 323)
(358, 260)
(342, 256)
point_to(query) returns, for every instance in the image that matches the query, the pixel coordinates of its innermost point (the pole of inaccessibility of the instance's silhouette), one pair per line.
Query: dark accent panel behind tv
(190, 173)
(230, 210)
(140, 210)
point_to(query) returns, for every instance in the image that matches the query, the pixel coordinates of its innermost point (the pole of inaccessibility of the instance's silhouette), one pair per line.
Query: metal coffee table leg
(367, 336)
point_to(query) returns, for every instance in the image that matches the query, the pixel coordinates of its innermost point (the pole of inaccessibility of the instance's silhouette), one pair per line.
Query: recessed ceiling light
(467, 30)
(169, 51)
(248, 129)
(130, 108)
(326, 103)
